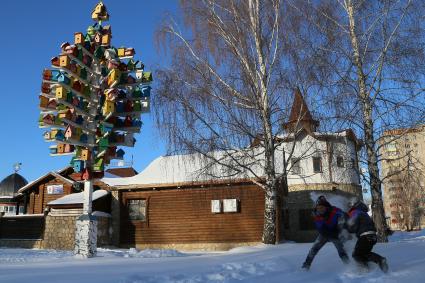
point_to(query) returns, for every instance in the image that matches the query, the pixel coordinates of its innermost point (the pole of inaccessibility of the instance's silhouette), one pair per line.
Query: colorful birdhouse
(63, 79)
(45, 88)
(68, 148)
(78, 165)
(136, 93)
(113, 64)
(53, 149)
(131, 79)
(78, 38)
(76, 86)
(99, 165)
(75, 101)
(146, 91)
(113, 76)
(110, 54)
(129, 52)
(120, 107)
(55, 75)
(121, 51)
(108, 107)
(123, 67)
(44, 101)
(128, 121)
(103, 142)
(47, 74)
(97, 38)
(106, 39)
(73, 67)
(53, 133)
(86, 174)
(64, 61)
(128, 107)
(111, 94)
(137, 106)
(100, 13)
(85, 154)
(106, 127)
(107, 29)
(48, 119)
(47, 136)
(139, 74)
(60, 136)
(137, 123)
(60, 148)
(131, 64)
(65, 115)
(91, 31)
(147, 77)
(52, 104)
(71, 49)
(69, 132)
(120, 154)
(55, 61)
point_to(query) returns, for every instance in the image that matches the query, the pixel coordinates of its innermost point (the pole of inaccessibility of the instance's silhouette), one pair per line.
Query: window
(137, 209)
(317, 164)
(54, 189)
(340, 161)
(306, 219)
(8, 209)
(295, 166)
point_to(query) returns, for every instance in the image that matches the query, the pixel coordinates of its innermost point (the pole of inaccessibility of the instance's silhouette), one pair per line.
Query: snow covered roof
(78, 198)
(189, 168)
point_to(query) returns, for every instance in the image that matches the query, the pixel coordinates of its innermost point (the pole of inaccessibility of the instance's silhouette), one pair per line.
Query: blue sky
(32, 32)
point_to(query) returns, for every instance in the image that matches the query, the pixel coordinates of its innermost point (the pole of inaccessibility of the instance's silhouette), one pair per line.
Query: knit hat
(322, 201)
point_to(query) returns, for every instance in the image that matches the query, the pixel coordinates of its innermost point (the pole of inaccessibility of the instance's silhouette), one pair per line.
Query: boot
(383, 265)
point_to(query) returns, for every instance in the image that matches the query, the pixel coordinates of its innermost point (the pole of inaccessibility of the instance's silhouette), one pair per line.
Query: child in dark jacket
(359, 222)
(329, 221)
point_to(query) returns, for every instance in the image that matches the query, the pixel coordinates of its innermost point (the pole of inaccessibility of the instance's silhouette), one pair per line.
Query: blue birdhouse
(60, 136)
(78, 165)
(64, 79)
(137, 123)
(146, 91)
(120, 107)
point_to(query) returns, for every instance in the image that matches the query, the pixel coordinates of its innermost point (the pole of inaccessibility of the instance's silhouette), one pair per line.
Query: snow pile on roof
(193, 167)
(78, 198)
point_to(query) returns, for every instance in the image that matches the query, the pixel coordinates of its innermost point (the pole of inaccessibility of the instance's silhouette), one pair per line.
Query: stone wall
(59, 232)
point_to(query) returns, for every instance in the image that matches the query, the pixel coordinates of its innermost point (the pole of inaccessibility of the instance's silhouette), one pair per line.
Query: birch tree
(369, 59)
(224, 93)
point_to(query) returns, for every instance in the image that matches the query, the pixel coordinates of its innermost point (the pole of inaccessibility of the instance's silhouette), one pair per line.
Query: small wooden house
(78, 38)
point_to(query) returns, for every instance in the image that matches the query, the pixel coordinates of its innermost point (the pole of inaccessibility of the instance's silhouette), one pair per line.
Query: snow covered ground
(405, 253)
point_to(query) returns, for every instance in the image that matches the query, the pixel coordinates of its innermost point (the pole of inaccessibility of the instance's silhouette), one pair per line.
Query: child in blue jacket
(329, 221)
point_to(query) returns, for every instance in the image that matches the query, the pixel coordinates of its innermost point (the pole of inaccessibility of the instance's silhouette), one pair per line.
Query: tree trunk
(378, 212)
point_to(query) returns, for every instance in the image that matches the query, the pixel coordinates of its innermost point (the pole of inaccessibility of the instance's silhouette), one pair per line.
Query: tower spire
(300, 116)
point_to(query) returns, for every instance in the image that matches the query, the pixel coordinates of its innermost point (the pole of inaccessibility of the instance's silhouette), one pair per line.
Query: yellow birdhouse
(64, 61)
(108, 107)
(61, 148)
(61, 92)
(85, 154)
(78, 38)
(100, 13)
(44, 101)
(106, 39)
(113, 76)
(121, 52)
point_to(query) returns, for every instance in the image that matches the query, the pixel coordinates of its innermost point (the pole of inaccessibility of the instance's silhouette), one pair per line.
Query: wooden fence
(28, 227)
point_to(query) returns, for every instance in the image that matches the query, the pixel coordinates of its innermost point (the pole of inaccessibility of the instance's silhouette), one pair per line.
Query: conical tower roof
(300, 116)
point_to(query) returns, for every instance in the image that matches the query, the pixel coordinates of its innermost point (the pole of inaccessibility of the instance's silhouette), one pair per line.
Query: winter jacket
(331, 223)
(359, 221)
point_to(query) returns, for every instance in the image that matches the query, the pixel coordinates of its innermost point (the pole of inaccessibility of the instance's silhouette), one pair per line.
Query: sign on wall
(230, 205)
(54, 189)
(215, 206)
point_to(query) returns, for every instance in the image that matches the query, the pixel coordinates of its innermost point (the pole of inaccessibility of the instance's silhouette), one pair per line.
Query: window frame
(128, 202)
(340, 161)
(319, 159)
